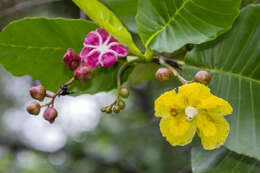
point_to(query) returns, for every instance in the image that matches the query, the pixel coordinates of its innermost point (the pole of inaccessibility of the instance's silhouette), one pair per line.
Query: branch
(23, 5)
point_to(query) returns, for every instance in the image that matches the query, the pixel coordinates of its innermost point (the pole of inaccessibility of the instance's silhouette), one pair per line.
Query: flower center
(190, 112)
(103, 48)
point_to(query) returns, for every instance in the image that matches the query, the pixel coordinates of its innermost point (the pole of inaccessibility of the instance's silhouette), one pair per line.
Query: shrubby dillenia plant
(193, 109)
(201, 44)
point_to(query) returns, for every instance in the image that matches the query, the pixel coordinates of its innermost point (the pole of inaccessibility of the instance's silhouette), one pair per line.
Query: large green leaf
(35, 47)
(106, 19)
(221, 160)
(167, 25)
(126, 11)
(234, 63)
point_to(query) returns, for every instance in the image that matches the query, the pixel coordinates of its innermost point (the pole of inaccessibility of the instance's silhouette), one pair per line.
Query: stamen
(173, 112)
(191, 112)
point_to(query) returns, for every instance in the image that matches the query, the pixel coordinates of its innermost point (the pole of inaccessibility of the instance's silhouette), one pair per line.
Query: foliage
(233, 60)
(225, 42)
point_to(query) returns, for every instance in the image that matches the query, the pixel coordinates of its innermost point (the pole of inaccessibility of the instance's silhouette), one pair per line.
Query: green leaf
(142, 73)
(167, 25)
(126, 11)
(35, 47)
(234, 63)
(221, 160)
(106, 19)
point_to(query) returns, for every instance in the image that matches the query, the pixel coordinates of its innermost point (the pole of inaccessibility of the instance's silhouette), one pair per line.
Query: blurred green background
(82, 140)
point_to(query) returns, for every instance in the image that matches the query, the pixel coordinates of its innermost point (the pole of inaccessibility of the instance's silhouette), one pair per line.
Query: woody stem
(53, 97)
(173, 70)
(122, 69)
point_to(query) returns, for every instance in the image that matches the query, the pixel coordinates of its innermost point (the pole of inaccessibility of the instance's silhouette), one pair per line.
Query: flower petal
(92, 60)
(92, 39)
(85, 51)
(216, 106)
(212, 131)
(120, 49)
(104, 35)
(177, 130)
(194, 93)
(165, 103)
(112, 40)
(108, 59)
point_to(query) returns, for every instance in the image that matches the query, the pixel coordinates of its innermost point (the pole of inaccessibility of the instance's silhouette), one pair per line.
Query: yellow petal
(212, 131)
(167, 102)
(177, 130)
(216, 106)
(194, 92)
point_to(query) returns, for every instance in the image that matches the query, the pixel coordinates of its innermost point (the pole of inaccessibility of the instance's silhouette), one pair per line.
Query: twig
(53, 97)
(23, 5)
(173, 70)
(122, 69)
(170, 61)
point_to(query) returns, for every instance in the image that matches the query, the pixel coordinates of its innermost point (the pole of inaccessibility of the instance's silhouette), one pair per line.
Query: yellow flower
(193, 109)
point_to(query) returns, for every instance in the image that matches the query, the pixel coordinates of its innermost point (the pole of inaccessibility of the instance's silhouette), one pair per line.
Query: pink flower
(100, 48)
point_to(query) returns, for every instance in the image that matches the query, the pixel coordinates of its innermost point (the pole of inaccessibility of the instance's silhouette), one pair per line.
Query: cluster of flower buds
(72, 61)
(164, 74)
(39, 93)
(119, 103)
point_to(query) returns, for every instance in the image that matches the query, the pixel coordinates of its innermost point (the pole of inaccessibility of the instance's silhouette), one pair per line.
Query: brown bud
(34, 108)
(71, 59)
(38, 92)
(163, 74)
(83, 73)
(108, 109)
(103, 109)
(50, 114)
(202, 77)
(116, 109)
(124, 92)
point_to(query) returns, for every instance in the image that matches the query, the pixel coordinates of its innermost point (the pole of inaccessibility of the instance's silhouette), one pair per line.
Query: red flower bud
(163, 74)
(38, 92)
(50, 114)
(202, 77)
(71, 60)
(83, 73)
(34, 108)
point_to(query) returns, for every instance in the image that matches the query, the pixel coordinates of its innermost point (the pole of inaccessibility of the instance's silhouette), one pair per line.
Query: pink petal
(112, 40)
(120, 49)
(85, 51)
(92, 60)
(103, 34)
(92, 39)
(108, 59)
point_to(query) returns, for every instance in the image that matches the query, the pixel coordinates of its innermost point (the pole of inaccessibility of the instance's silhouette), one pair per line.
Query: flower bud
(124, 92)
(121, 104)
(163, 74)
(38, 92)
(83, 73)
(108, 109)
(50, 114)
(71, 60)
(103, 109)
(34, 108)
(202, 77)
(116, 109)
